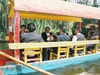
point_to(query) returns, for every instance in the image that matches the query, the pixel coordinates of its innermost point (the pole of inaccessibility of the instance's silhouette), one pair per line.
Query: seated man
(31, 36)
(46, 34)
(92, 35)
(63, 36)
(77, 37)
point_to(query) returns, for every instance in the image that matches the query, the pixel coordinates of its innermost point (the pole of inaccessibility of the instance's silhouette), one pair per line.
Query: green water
(87, 68)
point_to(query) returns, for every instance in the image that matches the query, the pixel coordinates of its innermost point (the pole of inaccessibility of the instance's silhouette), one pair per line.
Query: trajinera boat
(46, 10)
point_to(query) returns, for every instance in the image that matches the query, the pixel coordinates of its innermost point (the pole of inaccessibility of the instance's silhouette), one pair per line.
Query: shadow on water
(87, 68)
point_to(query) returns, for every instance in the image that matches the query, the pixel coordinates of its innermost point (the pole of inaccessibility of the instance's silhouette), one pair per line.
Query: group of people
(47, 36)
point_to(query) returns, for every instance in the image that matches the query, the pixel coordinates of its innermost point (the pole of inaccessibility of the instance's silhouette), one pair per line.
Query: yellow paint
(49, 44)
(7, 38)
(60, 50)
(60, 45)
(32, 51)
(79, 47)
(43, 16)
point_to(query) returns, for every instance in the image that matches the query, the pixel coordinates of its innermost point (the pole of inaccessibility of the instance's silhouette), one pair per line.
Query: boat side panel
(49, 65)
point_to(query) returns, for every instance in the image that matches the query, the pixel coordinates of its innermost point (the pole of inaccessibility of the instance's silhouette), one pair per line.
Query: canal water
(87, 68)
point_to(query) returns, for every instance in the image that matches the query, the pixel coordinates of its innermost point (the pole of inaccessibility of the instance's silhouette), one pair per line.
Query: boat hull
(48, 65)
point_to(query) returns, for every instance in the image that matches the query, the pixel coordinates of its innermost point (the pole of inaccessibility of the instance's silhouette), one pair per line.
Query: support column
(17, 33)
(99, 29)
(80, 25)
(10, 30)
(10, 52)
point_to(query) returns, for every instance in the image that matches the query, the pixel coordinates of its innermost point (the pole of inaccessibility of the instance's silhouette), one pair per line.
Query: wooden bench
(32, 52)
(97, 48)
(79, 48)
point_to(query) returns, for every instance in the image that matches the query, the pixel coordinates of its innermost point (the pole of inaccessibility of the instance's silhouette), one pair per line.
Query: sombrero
(88, 25)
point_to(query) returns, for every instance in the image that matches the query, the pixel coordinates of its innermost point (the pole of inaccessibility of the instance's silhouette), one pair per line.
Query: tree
(3, 17)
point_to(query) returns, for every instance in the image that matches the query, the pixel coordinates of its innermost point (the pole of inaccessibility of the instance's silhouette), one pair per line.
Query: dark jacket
(31, 37)
(44, 36)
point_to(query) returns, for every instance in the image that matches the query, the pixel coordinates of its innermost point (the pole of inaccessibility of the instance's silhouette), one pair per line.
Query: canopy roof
(54, 10)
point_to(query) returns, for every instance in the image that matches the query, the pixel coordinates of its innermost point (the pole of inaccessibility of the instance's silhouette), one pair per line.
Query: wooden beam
(17, 32)
(50, 44)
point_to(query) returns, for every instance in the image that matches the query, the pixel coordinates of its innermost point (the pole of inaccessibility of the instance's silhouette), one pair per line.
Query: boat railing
(50, 44)
(41, 45)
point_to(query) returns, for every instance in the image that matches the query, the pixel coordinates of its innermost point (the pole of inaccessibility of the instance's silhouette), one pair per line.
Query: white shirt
(48, 36)
(74, 39)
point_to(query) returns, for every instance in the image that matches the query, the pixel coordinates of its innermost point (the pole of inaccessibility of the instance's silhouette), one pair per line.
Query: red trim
(10, 30)
(17, 32)
(79, 24)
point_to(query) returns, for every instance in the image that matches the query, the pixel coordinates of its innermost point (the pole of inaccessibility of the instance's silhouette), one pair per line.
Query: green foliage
(3, 18)
(41, 24)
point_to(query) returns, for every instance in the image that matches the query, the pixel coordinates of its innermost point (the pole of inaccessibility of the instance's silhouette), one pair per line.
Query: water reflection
(87, 68)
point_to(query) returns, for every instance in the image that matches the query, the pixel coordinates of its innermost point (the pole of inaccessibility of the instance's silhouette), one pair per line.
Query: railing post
(80, 25)
(17, 32)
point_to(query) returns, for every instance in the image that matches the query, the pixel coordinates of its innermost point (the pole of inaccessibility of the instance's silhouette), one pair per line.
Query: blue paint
(48, 65)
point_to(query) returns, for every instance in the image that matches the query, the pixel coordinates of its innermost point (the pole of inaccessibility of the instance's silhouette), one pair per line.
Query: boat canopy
(53, 10)
(34, 9)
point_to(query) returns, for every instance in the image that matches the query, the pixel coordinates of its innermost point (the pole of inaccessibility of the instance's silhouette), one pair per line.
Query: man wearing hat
(62, 36)
(93, 33)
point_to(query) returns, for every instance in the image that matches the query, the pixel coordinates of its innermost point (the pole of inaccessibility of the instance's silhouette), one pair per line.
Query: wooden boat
(49, 10)
(48, 65)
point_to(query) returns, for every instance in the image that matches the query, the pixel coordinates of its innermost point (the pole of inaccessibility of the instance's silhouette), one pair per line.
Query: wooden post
(80, 25)
(67, 52)
(17, 32)
(99, 29)
(10, 35)
(10, 30)
(1, 72)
